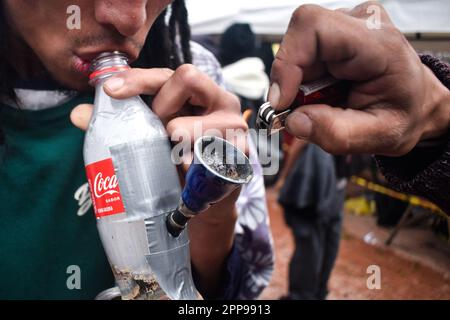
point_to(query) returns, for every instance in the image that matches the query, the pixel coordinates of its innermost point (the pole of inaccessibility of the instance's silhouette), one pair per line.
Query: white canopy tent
(272, 17)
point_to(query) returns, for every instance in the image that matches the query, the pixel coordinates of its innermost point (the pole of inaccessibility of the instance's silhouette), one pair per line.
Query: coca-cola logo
(103, 186)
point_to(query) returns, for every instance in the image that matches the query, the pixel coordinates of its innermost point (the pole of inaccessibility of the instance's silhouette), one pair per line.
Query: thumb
(343, 131)
(81, 115)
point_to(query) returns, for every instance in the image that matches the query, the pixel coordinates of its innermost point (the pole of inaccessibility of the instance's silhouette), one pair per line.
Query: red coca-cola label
(105, 192)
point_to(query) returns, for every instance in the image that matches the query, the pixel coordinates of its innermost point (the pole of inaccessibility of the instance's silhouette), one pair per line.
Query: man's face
(106, 25)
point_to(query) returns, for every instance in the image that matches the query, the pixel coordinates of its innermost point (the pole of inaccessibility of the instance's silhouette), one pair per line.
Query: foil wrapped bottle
(134, 186)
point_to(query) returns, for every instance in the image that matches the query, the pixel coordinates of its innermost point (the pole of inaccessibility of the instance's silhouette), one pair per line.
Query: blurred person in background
(243, 72)
(312, 196)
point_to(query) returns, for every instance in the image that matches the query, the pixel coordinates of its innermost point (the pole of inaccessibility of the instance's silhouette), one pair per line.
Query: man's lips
(81, 65)
(81, 62)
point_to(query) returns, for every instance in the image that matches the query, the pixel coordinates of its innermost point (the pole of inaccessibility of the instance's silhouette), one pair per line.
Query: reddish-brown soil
(401, 278)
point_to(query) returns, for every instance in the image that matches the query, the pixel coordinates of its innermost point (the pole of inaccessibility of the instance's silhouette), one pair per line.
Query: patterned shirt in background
(250, 264)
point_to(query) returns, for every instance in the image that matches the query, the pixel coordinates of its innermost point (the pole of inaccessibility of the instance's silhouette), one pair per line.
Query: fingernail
(274, 95)
(299, 124)
(114, 84)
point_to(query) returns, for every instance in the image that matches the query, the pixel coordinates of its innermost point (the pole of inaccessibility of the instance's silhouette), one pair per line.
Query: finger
(346, 131)
(317, 34)
(189, 85)
(300, 49)
(229, 126)
(81, 115)
(344, 10)
(216, 123)
(134, 82)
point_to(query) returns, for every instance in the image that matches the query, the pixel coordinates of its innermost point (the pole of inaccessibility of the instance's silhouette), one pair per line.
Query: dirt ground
(403, 275)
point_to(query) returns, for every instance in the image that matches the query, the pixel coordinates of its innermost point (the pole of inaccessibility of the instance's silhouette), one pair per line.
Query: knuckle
(188, 74)
(376, 3)
(367, 4)
(306, 13)
(281, 56)
(361, 10)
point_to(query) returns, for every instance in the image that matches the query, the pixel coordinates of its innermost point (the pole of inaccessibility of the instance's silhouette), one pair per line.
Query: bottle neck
(106, 64)
(103, 102)
(102, 68)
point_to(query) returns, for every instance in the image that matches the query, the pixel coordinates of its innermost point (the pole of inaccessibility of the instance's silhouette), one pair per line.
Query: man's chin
(78, 83)
(83, 88)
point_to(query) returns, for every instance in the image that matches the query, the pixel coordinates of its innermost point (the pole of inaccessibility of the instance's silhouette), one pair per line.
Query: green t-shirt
(49, 245)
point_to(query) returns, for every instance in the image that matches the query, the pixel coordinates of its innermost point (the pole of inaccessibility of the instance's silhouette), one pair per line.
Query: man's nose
(127, 17)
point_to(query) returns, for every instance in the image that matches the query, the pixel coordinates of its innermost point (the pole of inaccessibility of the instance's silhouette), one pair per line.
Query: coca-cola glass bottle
(134, 185)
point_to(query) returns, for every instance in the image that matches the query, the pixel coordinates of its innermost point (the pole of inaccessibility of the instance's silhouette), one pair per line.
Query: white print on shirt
(84, 199)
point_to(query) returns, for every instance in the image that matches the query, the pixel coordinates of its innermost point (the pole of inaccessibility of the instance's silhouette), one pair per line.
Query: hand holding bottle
(181, 98)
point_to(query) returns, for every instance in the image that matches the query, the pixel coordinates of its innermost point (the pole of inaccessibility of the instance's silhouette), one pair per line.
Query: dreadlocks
(8, 74)
(167, 45)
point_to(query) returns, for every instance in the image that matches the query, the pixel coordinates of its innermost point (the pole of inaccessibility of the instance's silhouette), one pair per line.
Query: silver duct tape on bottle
(149, 162)
(150, 201)
(169, 259)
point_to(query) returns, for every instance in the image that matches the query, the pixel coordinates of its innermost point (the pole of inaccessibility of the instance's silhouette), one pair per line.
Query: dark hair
(162, 48)
(236, 43)
(170, 51)
(8, 74)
